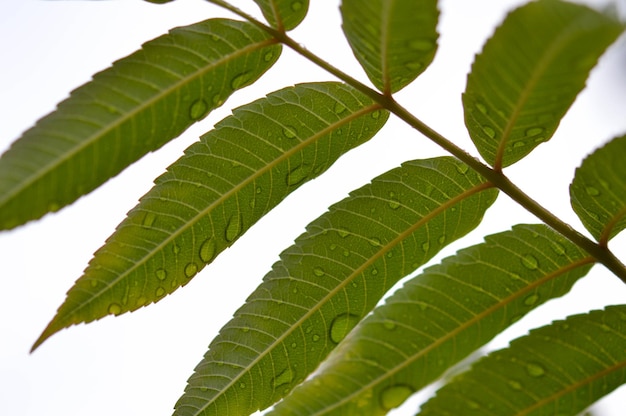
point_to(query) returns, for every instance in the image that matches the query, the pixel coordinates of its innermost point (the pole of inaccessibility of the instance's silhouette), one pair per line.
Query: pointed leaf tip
(222, 185)
(393, 40)
(136, 106)
(528, 75)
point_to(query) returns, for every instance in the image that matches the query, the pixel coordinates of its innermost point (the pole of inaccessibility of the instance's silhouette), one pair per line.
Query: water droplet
(605, 328)
(442, 239)
(175, 249)
(93, 283)
(115, 309)
(374, 271)
(245, 329)
(290, 132)
(298, 174)
(592, 191)
(217, 100)
(376, 114)
(518, 144)
(159, 292)
(515, 385)
(558, 248)
(316, 337)
(294, 345)
(393, 396)
(341, 325)
(531, 300)
(530, 262)
(394, 204)
(319, 272)
(343, 233)
(285, 377)
(375, 241)
(148, 219)
(346, 253)
(535, 370)
(534, 131)
(462, 168)
(481, 107)
(207, 250)
(242, 385)
(421, 45)
(161, 274)
(426, 246)
(233, 228)
(198, 109)
(422, 305)
(296, 5)
(268, 56)
(489, 131)
(389, 325)
(190, 270)
(414, 66)
(339, 107)
(240, 80)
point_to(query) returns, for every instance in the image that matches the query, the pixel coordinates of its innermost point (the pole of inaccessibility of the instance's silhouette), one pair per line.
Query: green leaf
(126, 111)
(394, 40)
(529, 74)
(437, 319)
(238, 172)
(598, 191)
(332, 276)
(559, 369)
(284, 14)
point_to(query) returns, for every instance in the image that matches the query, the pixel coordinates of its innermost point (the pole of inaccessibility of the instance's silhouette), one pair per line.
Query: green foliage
(316, 324)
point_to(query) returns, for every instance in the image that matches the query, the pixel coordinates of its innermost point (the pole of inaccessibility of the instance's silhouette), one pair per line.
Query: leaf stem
(600, 252)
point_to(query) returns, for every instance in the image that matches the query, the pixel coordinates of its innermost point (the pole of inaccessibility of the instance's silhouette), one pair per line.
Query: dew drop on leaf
(198, 109)
(375, 242)
(530, 262)
(489, 131)
(207, 250)
(422, 305)
(343, 233)
(115, 309)
(285, 377)
(518, 144)
(190, 270)
(268, 56)
(148, 219)
(389, 325)
(341, 325)
(318, 271)
(394, 204)
(515, 385)
(376, 115)
(481, 107)
(558, 248)
(296, 5)
(240, 80)
(316, 337)
(339, 108)
(462, 168)
(297, 175)
(233, 228)
(421, 45)
(426, 246)
(393, 396)
(159, 292)
(535, 370)
(531, 300)
(534, 131)
(161, 274)
(592, 191)
(290, 132)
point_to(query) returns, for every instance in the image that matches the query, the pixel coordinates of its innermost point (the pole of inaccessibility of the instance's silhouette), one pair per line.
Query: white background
(137, 364)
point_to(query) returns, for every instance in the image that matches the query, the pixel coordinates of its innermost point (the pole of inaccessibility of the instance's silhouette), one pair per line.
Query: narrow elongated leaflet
(438, 318)
(212, 195)
(529, 74)
(332, 276)
(136, 106)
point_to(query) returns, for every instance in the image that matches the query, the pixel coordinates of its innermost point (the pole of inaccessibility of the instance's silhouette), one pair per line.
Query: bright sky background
(137, 364)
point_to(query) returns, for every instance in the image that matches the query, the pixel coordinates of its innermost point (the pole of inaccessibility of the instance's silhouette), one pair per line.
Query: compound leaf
(332, 276)
(394, 40)
(437, 319)
(529, 74)
(559, 369)
(284, 14)
(212, 195)
(598, 191)
(128, 110)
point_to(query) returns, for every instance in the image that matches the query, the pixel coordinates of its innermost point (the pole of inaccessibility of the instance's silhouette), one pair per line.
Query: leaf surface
(215, 192)
(559, 369)
(438, 318)
(598, 191)
(394, 40)
(126, 111)
(528, 75)
(332, 276)
(284, 14)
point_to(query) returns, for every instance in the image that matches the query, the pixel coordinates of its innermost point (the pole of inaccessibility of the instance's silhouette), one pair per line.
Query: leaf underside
(332, 276)
(284, 14)
(528, 75)
(136, 106)
(221, 186)
(598, 191)
(559, 369)
(437, 319)
(393, 40)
